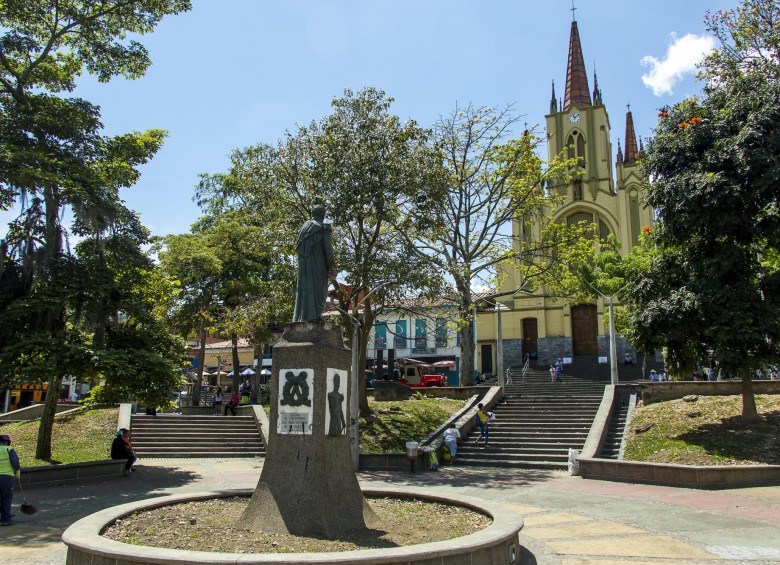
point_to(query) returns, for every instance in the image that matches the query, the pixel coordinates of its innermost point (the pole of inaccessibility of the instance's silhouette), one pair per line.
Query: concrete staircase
(537, 423)
(176, 435)
(616, 429)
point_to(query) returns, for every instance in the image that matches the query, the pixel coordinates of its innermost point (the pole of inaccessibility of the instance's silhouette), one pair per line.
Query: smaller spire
(560, 104)
(619, 153)
(641, 149)
(596, 90)
(632, 153)
(553, 105)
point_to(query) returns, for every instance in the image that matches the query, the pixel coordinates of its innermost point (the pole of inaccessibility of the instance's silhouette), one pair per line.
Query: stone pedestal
(308, 486)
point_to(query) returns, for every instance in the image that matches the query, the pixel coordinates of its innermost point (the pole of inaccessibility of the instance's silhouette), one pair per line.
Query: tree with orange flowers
(715, 165)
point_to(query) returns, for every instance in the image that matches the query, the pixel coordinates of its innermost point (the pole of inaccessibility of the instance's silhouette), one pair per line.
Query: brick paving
(568, 520)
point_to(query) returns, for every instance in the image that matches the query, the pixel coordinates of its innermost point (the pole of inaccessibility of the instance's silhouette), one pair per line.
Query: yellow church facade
(609, 192)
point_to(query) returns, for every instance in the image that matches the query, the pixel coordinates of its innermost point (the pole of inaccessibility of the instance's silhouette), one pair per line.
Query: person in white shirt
(451, 437)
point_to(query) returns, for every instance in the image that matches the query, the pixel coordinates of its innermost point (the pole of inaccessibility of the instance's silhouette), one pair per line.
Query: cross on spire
(628, 106)
(573, 9)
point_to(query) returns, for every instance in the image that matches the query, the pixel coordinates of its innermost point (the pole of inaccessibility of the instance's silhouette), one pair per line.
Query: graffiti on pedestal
(295, 409)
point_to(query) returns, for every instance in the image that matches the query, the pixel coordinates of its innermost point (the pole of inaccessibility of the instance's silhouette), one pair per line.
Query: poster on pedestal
(296, 407)
(335, 413)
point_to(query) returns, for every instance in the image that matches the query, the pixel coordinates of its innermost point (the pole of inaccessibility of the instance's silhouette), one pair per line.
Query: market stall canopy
(265, 373)
(443, 364)
(248, 372)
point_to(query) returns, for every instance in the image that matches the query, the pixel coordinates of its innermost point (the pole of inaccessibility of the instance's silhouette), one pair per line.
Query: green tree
(195, 265)
(258, 275)
(54, 159)
(714, 164)
(370, 170)
(491, 179)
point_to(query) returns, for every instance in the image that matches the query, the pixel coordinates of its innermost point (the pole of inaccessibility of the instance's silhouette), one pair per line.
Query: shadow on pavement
(464, 477)
(59, 505)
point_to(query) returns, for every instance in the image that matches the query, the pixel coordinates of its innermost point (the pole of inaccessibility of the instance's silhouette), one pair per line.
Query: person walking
(122, 448)
(9, 470)
(451, 437)
(508, 376)
(553, 374)
(482, 417)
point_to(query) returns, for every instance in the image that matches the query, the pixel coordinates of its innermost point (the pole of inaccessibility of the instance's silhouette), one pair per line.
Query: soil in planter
(210, 525)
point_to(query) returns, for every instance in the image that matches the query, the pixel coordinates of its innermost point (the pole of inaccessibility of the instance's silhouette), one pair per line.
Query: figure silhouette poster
(336, 410)
(296, 407)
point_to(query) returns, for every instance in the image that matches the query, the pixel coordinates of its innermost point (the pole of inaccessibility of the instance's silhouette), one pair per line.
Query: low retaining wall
(498, 543)
(391, 390)
(463, 419)
(672, 390)
(32, 476)
(36, 411)
(689, 476)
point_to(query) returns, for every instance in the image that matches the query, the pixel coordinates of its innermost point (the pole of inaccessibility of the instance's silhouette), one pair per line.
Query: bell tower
(579, 126)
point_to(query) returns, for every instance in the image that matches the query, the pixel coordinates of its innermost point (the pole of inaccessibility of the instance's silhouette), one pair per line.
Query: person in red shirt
(234, 400)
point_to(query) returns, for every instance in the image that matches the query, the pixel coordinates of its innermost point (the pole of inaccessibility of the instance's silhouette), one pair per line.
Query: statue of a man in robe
(315, 264)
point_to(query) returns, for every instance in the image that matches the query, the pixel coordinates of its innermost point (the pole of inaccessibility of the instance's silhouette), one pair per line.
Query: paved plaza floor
(568, 520)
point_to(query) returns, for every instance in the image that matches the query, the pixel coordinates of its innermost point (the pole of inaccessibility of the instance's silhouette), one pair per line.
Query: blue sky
(232, 73)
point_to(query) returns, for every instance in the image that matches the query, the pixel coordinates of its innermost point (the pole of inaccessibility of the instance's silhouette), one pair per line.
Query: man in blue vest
(9, 468)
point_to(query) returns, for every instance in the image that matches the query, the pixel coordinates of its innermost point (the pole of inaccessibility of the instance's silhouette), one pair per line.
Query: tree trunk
(365, 409)
(43, 448)
(201, 367)
(467, 356)
(236, 368)
(749, 411)
(54, 319)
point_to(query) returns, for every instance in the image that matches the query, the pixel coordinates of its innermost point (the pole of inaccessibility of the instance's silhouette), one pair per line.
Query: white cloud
(681, 59)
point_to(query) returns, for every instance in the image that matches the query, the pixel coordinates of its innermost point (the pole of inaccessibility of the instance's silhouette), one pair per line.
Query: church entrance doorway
(530, 335)
(487, 359)
(584, 330)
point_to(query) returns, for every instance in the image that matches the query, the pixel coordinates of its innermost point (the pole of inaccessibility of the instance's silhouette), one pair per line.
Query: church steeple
(553, 100)
(577, 90)
(632, 153)
(619, 158)
(596, 91)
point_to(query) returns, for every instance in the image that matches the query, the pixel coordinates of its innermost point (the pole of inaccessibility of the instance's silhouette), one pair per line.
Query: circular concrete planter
(497, 544)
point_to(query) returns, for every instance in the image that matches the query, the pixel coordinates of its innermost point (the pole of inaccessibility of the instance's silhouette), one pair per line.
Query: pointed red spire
(619, 153)
(632, 153)
(577, 91)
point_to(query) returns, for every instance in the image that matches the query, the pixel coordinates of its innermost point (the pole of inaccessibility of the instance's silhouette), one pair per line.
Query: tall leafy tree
(492, 177)
(714, 163)
(55, 159)
(370, 170)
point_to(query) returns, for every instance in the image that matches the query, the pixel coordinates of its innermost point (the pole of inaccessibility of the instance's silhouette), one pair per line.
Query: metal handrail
(526, 367)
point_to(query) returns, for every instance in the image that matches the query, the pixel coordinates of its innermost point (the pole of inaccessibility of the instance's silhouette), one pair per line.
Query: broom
(25, 507)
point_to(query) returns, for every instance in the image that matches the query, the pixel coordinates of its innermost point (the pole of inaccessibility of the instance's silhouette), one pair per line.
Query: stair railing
(526, 367)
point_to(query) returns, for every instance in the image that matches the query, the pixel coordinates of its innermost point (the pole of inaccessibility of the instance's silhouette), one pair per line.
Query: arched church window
(581, 149)
(603, 230)
(575, 219)
(576, 147)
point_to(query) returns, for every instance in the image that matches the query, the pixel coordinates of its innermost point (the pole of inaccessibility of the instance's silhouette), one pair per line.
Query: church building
(547, 327)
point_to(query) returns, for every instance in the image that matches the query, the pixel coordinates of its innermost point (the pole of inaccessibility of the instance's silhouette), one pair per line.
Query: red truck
(420, 375)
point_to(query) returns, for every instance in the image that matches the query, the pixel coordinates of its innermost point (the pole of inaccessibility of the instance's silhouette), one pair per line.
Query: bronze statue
(315, 263)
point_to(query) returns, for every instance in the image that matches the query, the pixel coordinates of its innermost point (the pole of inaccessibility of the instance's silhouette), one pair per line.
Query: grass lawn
(85, 436)
(709, 431)
(394, 423)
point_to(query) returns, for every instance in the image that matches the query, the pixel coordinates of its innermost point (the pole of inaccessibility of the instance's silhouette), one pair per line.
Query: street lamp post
(613, 365)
